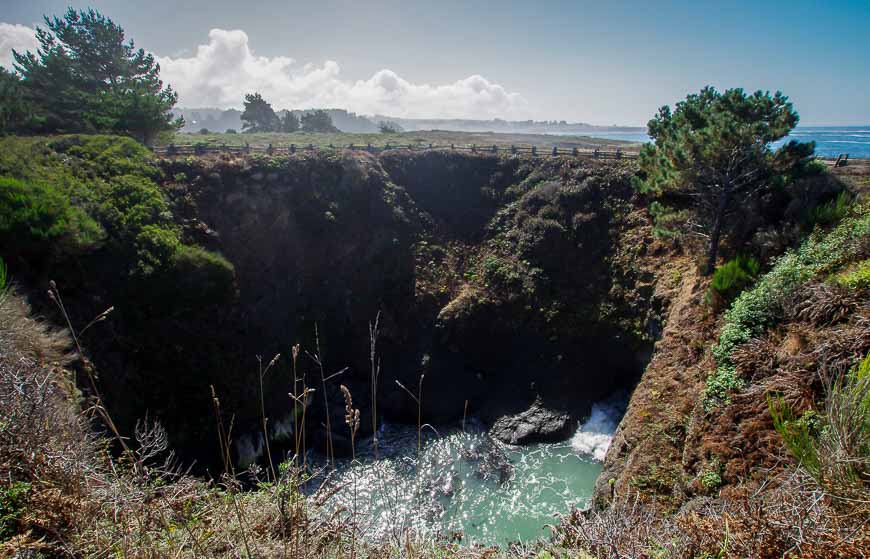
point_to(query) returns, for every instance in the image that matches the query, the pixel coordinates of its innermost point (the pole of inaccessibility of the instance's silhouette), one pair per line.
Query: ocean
(831, 141)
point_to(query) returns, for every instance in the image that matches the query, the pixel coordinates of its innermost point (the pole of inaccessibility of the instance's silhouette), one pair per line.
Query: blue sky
(599, 62)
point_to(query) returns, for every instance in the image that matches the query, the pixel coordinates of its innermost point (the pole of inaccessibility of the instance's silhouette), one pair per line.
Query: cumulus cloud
(222, 71)
(18, 37)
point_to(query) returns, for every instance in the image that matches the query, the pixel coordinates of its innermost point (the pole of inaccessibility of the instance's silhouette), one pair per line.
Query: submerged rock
(536, 424)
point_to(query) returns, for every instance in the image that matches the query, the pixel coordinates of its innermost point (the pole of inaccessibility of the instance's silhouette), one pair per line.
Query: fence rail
(203, 149)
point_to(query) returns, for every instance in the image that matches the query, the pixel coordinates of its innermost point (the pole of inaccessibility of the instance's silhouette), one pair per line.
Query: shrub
(155, 249)
(33, 215)
(731, 278)
(814, 167)
(855, 278)
(711, 478)
(12, 506)
(831, 211)
(107, 156)
(668, 221)
(231, 131)
(128, 203)
(833, 448)
(204, 131)
(204, 276)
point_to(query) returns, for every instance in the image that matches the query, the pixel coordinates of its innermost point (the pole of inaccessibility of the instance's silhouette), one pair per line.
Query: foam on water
(595, 434)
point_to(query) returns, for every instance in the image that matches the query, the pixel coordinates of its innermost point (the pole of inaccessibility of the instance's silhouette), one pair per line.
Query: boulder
(535, 425)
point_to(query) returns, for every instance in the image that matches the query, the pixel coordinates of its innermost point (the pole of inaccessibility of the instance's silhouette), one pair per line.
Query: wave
(594, 435)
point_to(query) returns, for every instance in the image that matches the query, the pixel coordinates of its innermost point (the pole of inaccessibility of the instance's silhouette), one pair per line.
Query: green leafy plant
(834, 448)
(711, 477)
(12, 504)
(855, 278)
(798, 433)
(831, 211)
(731, 278)
(33, 215)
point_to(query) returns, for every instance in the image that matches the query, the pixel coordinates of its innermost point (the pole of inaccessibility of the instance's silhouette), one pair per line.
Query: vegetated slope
(757, 417)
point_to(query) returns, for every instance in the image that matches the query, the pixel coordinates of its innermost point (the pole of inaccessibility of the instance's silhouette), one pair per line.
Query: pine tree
(713, 152)
(259, 115)
(290, 122)
(15, 113)
(85, 77)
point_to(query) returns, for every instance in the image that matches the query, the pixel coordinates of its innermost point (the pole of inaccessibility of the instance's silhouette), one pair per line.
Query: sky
(598, 62)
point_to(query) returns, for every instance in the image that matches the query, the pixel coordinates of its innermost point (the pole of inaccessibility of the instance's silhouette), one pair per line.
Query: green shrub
(855, 278)
(12, 505)
(711, 478)
(814, 167)
(798, 434)
(128, 203)
(107, 156)
(205, 275)
(668, 222)
(834, 448)
(831, 211)
(156, 248)
(731, 278)
(33, 215)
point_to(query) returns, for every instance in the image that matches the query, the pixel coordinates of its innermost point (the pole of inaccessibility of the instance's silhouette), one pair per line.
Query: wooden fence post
(555, 151)
(596, 153)
(534, 150)
(292, 148)
(574, 152)
(618, 153)
(170, 150)
(270, 150)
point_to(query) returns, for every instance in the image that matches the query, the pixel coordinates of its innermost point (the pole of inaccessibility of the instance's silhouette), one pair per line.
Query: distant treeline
(259, 116)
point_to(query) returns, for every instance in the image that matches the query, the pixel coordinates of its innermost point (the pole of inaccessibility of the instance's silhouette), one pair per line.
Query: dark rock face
(535, 425)
(494, 279)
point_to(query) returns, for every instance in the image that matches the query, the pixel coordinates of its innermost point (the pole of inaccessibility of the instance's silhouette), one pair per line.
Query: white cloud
(18, 37)
(224, 70)
(221, 72)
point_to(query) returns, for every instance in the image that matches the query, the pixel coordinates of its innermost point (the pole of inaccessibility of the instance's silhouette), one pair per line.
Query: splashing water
(467, 482)
(594, 436)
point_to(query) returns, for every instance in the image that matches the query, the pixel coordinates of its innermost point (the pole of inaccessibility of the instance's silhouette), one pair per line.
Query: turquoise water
(830, 140)
(466, 482)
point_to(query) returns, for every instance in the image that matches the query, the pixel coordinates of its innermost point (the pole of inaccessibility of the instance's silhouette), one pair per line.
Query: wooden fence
(203, 149)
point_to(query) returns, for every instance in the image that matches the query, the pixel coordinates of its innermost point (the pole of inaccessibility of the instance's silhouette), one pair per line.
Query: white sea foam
(593, 437)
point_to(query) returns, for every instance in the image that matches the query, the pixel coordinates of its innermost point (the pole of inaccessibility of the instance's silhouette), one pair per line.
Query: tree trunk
(716, 232)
